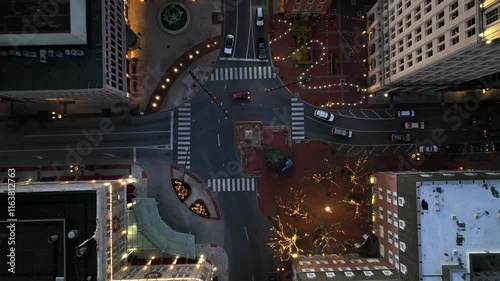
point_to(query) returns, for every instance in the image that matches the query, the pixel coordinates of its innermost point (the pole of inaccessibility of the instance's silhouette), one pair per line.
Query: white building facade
(431, 43)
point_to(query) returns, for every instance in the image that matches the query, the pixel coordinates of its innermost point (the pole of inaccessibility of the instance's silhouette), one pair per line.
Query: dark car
(490, 133)
(341, 132)
(477, 147)
(261, 44)
(400, 137)
(242, 96)
(479, 121)
(454, 148)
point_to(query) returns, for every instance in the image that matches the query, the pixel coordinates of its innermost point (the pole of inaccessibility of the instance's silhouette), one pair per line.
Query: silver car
(428, 149)
(406, 113)
(414, 125)
(228, 45)
(341, 132)
(323, 115)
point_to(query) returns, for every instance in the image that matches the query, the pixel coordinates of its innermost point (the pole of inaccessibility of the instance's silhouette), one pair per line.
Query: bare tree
(354, 170)
(284, 244)
(294, 204)
(328, 175)
(326, 236)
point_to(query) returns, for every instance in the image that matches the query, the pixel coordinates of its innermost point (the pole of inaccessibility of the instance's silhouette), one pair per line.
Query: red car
(242, 96)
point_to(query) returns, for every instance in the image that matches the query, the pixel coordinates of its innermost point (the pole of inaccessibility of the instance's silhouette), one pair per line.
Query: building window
(470, 5)
(381, 231)
(319, 8)
(440, 15)
(471, 32)
(429, 54)
(388, 191)
(454, 41)
(455, 31)
(492, 16)
(454, 15)
(298, 1)
(322, 1)
(381, 212)
(441, 48)
(308, 8)
(389, 214)
(418, 38)
(440, 24)
(296, 8)
(454, 6)
(310, 1)
(441, 39)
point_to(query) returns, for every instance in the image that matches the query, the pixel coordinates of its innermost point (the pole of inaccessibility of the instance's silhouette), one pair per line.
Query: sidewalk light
(154, 104)
(175, 70)
(167, 80)
(157, 97)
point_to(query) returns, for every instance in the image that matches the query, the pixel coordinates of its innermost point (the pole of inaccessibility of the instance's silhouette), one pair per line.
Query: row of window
(308, 8)
(309, 1)
(492, 16)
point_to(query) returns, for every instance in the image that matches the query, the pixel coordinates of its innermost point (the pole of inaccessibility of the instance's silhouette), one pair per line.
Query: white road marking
(246, 233)
(218, 139)
(376, 114)
(362, 112)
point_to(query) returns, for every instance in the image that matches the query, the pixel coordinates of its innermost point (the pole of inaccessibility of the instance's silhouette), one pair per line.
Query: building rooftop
(457, 219)
(40, 215)
(70, 63)
(34, 22)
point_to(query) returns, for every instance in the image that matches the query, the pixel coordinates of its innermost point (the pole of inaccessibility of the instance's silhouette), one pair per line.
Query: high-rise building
(427, 226)
(305, 9)
(431, 44)
(63, 50)
(90, 230)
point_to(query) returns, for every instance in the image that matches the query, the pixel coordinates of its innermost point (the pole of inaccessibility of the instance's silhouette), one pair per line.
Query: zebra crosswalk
(239, 184)
(242, 73)
(184, 135)
(298, 129)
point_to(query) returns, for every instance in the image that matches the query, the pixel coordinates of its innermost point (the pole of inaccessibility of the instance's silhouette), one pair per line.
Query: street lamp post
(303, 80)
(213, 99)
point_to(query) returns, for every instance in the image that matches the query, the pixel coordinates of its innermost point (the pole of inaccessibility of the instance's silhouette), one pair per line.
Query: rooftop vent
(403, 269)
(401, 201)
(368, 273)
(402, 246)
(330, 274)
(311, 275)
(454, 217)
(349, 274)
(402, 224)
(387, 272)
(476, 216)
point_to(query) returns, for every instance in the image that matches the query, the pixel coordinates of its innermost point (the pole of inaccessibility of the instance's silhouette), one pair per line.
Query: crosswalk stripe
(253, 184)
(223, 185)
(245, 70)
(184, 133)
(184, 124)
(297, 133)
(241, 73)
(228, 185)
(183, 138)
(297, 104)
(298, 138)
(187, 104)
(269, 71)
(250, 73)
(184, 108)
(184, 113)
(183, 142)
(183, 162)
(184, 128)
(298, 117)
(238, 183)
(274, 74)
(182, 157)
(184, 119)
(297, 123)
(297, 113)
(255, 72)
(297, 109)
(264, 73)
(295, 99)
(231, 73)
(297, 128)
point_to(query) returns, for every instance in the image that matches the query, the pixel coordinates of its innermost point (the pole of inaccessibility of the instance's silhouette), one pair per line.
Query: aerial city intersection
(250, 140)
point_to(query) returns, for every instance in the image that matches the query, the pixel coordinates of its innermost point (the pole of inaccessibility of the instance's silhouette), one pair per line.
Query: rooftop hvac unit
(454, 217)
(498, 215)
(311, 275)
(437, 209)
(476, 216)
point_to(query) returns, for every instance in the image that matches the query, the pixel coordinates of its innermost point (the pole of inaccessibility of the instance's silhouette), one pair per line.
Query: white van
(260, 17)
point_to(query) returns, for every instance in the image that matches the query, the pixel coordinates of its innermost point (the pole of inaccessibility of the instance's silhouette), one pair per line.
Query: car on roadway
(228, 45)
(342, 132)
(479, 121)
(455, 148)
(323, 115)
(261, 44)
(414, 125)
(406, 113)
(400, 137)
(490, 133)
(260, 16)
(428, 149)
(477, 147)
(242, 96)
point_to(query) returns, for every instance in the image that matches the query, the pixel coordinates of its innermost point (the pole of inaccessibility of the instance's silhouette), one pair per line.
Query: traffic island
(198, 199)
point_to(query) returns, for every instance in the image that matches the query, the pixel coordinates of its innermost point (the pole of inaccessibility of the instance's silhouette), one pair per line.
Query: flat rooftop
(40, 215)
(457, 219)
(74, 58)
(34, 22)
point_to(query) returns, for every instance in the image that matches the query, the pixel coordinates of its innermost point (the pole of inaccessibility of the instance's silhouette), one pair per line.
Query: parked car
(261, 44)
(260, 17)
(323, 115)
(480, 121)
(341, 132)
(477, 147)
(428, 148)
(414, 125)
(400, 137)
(490, 133)
(406, 113)
(228, 45)
(454, 148)
(242, 96)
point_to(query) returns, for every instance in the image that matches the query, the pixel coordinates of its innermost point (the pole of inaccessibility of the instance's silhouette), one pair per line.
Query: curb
(204, 188)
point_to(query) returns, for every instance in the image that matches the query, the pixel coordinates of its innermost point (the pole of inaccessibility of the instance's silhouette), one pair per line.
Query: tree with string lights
(284, 244)
(293, 205)
(326, 236)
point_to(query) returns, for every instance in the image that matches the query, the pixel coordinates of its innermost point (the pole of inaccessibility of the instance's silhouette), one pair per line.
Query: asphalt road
(240, 21)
